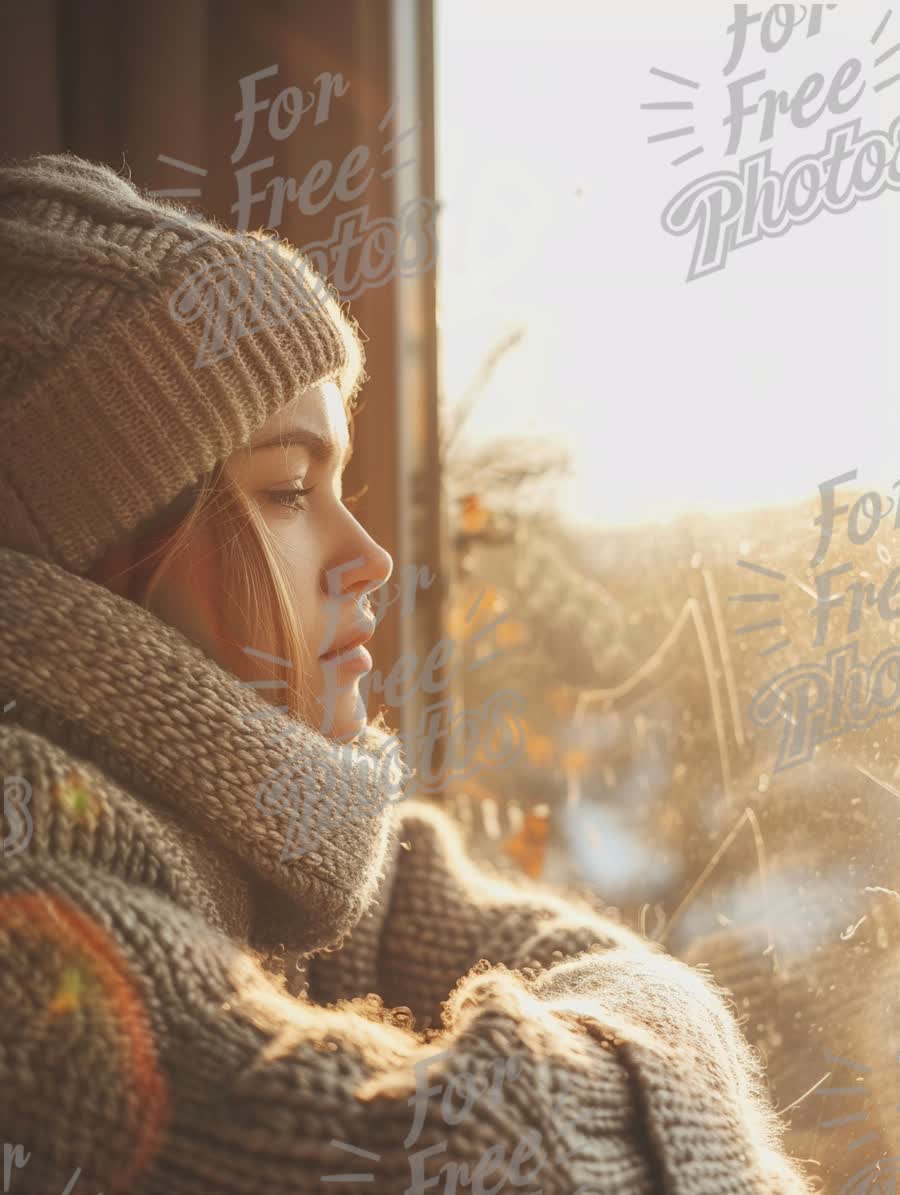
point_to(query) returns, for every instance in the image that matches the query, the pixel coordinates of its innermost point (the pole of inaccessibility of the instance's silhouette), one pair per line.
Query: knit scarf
(110, 682)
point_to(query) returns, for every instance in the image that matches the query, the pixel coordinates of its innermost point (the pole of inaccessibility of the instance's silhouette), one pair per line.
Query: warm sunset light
(723, 393)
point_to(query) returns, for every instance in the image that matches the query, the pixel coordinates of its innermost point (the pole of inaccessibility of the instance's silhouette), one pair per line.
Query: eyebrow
(321, 448)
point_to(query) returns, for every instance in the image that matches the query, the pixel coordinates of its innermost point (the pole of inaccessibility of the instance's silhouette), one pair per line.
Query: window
(687, 716)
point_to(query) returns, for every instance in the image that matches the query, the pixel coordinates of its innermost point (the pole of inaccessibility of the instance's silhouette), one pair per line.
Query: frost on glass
(710, 750)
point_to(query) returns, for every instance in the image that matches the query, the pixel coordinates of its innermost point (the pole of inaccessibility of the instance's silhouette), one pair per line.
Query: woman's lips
(351, 659)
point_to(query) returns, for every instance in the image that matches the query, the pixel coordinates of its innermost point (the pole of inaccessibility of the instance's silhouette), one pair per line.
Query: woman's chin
(345, 723)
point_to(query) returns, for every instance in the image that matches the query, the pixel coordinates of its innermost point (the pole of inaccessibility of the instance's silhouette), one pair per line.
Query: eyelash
(289, 499)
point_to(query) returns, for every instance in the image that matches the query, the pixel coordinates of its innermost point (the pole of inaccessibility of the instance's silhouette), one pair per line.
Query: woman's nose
(365, 565)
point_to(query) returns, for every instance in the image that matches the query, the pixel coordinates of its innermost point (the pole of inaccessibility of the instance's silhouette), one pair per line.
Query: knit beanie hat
(140, 345)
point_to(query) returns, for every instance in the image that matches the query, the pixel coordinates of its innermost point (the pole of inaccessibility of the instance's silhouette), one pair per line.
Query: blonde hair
(254, 599)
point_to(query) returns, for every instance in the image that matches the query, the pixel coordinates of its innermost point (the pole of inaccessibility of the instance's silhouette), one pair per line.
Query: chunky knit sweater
(196, 999)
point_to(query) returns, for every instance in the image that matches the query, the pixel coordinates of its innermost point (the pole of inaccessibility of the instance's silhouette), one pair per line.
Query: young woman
(238, 954)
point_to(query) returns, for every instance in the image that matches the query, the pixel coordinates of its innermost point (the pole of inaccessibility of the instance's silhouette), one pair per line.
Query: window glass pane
(674, 491)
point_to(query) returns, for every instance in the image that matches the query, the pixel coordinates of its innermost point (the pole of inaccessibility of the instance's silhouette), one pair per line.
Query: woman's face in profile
(292, 469)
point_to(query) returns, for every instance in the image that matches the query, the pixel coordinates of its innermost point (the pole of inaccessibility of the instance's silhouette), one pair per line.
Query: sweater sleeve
(707, 1119)
(446, 912)
(149, 1053)
(144, 1050)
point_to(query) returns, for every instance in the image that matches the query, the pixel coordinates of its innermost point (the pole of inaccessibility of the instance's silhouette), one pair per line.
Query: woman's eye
(291, 499)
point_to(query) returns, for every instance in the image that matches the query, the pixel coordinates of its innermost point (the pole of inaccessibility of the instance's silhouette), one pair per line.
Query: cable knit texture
(186, 1006)
(149, 342)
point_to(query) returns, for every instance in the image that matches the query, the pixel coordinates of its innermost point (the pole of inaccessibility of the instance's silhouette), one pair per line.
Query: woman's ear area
(128, 564)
